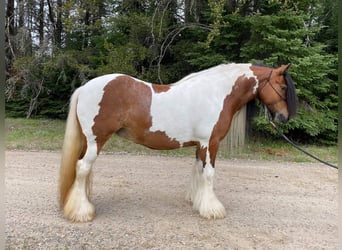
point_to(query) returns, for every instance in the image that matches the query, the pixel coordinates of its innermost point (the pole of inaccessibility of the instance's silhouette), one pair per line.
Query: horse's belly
(153, 139)
(186, 115)
(185, 127)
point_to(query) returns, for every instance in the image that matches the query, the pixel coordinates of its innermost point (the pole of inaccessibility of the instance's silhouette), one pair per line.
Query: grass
(280, 150)
(34, 134)
(45, 134)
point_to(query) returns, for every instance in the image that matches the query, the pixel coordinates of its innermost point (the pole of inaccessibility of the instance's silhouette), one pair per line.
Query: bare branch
(169, 39)
(9, 40)
(33, 101)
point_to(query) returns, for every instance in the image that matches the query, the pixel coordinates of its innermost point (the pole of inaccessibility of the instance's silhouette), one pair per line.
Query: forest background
(55, 46)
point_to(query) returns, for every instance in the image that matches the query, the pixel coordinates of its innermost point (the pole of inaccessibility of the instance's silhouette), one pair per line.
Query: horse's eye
(283, 88)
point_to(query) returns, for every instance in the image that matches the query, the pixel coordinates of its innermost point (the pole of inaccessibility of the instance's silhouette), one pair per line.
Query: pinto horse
(195, 111)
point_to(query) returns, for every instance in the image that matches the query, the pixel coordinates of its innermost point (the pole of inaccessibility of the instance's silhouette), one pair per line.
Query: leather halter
(269, 82)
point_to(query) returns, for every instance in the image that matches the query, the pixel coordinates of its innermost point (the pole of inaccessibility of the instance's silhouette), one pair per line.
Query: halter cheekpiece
(269, 82)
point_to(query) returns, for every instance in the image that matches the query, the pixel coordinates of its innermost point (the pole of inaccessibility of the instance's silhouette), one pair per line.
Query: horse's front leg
(202, 192)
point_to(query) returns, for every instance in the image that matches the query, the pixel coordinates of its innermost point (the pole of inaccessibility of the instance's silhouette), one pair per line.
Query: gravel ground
(140, 202)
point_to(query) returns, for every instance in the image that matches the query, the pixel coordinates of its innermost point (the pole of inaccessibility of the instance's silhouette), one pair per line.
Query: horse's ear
(282, 69)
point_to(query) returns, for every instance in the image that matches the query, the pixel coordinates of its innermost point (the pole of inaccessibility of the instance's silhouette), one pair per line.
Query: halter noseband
(269, 82)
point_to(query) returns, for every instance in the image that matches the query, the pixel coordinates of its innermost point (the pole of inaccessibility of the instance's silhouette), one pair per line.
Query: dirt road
(140, 202)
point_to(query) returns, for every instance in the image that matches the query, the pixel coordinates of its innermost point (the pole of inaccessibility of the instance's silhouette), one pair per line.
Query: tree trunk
(21, 13)
(9, 33)
(56, 22)
(59, 25)
(41, 22)
(10, 17)
(193, 10)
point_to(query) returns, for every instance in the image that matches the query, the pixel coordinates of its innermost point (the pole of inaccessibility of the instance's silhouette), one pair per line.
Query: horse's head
(277, 92)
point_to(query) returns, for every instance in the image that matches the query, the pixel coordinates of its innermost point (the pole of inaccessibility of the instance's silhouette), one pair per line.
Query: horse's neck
(244, 90)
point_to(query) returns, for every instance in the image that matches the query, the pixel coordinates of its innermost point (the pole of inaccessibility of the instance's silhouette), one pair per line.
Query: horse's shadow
(130, 203)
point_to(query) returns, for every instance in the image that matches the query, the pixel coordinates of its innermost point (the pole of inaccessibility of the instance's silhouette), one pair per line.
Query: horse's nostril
(282, 118)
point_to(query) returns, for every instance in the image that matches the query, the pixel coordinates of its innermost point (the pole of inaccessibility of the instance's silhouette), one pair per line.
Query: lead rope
(297, 147)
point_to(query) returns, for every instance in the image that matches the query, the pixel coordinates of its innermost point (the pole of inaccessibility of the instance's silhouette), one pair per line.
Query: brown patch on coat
(242, 92)
(84, 144)
(125, 110)
(159, 88)
(260, 72)
(201, 154)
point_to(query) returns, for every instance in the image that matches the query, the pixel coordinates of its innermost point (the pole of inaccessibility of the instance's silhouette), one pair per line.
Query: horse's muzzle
(279, 117)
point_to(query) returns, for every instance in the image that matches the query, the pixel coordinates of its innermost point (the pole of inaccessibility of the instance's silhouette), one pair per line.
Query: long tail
(72, 148)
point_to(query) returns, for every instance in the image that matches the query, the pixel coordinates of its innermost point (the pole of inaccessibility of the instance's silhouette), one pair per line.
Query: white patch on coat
(189, 110)
(256, 85)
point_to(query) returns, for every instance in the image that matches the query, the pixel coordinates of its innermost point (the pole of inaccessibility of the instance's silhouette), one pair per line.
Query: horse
(195, 111)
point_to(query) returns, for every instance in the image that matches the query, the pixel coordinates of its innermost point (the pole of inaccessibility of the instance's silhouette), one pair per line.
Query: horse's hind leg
(78, 207)
(195, 178)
